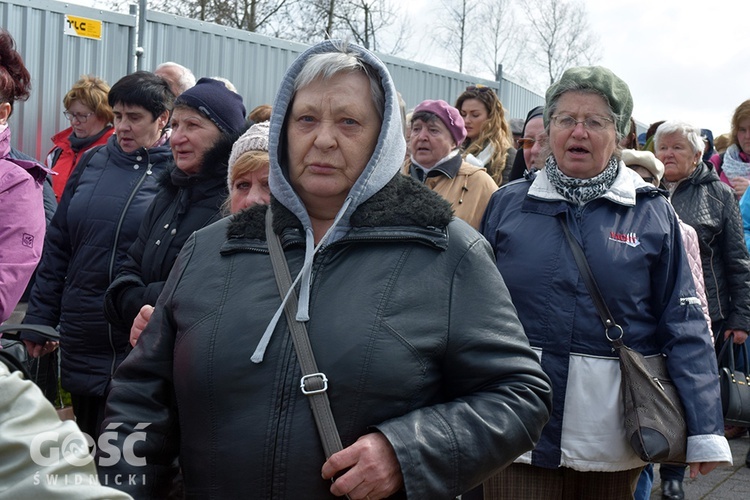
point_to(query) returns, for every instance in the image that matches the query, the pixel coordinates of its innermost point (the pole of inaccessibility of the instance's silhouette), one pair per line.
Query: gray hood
(384, 164)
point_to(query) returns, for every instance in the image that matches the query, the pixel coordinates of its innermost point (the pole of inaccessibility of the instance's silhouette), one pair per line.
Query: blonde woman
(489, 141)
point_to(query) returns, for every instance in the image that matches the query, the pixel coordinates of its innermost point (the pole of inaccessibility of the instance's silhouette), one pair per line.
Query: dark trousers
(669, 472)
(527, 482)
(89, 412)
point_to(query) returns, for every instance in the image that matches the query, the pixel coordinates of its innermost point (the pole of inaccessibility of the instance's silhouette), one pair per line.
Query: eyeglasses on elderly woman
(80, 117)
(593, 123)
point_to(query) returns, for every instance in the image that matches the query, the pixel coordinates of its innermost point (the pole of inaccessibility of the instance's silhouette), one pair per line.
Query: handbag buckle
(309, 392)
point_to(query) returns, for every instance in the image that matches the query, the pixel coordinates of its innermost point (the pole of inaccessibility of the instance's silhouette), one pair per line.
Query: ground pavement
(724, 483)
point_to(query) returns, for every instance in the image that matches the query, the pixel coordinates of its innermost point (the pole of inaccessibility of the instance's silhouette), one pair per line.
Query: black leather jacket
(709, 206)
(409, 319)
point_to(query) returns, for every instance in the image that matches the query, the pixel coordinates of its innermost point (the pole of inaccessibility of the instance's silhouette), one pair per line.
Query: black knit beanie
(222, 106)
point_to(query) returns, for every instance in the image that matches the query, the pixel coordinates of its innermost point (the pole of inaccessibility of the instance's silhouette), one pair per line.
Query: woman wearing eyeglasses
(96, 222)
(489, 141)
(90, 117)
(533, 139)
(630, 237)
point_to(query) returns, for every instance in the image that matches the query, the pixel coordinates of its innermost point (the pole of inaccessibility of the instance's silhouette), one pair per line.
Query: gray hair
(229, 85)
(325, 66)
(186, 78)
(689, 132)
(583, 88)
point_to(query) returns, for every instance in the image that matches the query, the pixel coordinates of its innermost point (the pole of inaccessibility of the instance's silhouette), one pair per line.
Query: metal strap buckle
(304, 379)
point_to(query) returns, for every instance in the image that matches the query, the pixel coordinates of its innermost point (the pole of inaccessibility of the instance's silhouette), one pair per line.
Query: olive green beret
(596, 78)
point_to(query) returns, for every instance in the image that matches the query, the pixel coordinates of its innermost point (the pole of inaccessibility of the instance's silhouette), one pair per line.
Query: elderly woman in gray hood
(431, 381)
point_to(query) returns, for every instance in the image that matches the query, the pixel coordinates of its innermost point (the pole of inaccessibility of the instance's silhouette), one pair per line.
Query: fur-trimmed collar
(401, 202)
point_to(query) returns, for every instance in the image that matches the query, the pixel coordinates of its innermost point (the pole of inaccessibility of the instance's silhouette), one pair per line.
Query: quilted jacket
(95, 224)
(709, 206)
(693, 252)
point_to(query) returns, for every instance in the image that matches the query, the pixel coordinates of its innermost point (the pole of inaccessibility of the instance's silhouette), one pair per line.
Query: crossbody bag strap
(314, 384)
(590, 281)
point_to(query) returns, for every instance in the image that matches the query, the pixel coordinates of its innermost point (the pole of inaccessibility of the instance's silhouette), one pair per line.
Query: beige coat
(468, 191)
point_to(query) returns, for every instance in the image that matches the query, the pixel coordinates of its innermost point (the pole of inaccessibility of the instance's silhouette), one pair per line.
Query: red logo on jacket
(630, 239)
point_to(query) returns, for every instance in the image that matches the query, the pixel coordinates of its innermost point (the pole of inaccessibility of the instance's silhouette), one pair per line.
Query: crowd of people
(458, 348)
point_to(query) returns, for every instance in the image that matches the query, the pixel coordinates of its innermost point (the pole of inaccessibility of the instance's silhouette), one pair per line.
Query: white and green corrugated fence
(60, 42)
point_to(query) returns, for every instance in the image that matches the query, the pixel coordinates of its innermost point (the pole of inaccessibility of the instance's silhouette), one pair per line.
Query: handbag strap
(313, 383)
(728, 347)
(590, 281)
(12, 331)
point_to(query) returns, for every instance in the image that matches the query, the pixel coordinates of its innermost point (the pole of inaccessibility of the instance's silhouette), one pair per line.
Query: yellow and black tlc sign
(82, 26)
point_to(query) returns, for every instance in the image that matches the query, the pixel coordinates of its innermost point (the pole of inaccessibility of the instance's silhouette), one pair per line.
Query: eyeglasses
(593, 123)
(77, 116)
(479, 88)
(528, 142)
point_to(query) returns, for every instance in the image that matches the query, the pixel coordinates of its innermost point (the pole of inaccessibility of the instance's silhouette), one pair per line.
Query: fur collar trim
(401, 202)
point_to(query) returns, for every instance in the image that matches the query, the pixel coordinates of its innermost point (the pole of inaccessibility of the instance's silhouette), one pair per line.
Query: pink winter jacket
(693, 251)
(22, 225)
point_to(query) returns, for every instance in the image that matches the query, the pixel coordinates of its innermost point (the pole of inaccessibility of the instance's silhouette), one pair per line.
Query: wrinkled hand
(740, 336)
(374, 471)
(702, 467)
(140, 322)
(740, 185)
(35, 350)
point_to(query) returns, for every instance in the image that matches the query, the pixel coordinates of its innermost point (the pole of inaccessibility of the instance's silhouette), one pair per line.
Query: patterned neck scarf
(733, 164)
(580, 191)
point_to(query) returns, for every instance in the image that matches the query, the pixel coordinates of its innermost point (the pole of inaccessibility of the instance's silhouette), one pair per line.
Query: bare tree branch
(499, 39)
(561, 36)
(452, 32)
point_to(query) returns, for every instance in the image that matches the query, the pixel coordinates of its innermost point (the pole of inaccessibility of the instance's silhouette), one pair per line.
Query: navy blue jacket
(633, 245)
(94, 225)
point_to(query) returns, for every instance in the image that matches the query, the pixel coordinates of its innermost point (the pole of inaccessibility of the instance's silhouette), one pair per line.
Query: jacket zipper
(114, 252)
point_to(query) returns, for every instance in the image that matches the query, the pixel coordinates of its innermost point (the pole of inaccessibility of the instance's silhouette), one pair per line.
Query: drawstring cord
(303, 305)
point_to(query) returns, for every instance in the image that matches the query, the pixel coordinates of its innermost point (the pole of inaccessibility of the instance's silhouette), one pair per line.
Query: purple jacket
(22, 224)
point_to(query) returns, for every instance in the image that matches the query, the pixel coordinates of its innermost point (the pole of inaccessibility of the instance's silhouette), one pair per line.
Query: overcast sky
(683, 59)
